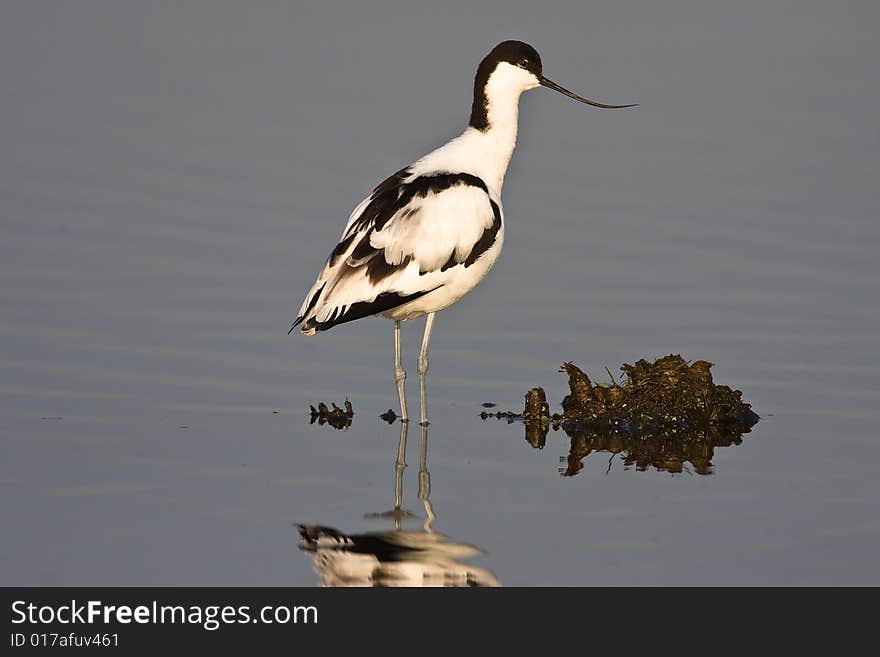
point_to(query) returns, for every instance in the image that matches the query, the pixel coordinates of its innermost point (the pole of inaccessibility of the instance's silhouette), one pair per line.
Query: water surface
(172, 178)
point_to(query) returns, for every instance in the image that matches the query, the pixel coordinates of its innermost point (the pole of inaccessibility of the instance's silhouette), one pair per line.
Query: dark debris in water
(670, 392)
(664, 415)
(389, 416)
(338, 418)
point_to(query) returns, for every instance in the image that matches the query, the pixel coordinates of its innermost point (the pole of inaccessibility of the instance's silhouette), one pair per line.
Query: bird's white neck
(495, 116)
(485, 154)
(499, 139)
(486, 146)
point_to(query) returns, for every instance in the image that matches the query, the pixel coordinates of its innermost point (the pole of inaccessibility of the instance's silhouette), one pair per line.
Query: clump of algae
(668, 393)
(338, 418)
(665, 414)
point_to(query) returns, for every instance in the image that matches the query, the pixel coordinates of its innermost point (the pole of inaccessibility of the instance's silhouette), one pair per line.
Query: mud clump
(668, 415)
(388, 416)
(668, 393)
(537, 417)
(536, 407)
(338, 418)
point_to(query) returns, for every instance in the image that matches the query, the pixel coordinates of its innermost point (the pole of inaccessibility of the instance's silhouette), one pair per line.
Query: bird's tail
(296, 323)
(306, 313)
(317, 536)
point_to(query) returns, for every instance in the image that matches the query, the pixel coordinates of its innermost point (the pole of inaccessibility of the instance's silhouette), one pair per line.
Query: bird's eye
(523, 63)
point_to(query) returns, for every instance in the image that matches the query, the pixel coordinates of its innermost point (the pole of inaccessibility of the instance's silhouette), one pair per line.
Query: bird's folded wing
(399, 238)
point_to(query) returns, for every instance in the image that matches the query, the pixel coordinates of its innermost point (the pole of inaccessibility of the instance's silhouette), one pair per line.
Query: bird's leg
(399, 467)
(399, 373)
(423, 367)
(425, 482)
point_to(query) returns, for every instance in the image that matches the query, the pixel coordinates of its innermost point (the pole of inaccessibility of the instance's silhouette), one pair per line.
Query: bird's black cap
(512, 52)
(516, 53)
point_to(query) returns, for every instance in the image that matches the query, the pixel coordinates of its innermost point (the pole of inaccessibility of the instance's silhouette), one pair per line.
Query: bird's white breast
(450, 285)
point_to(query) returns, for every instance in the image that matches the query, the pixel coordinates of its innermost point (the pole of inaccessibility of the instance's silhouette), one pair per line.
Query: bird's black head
(505, 55)
(531, 74)
(516, 53)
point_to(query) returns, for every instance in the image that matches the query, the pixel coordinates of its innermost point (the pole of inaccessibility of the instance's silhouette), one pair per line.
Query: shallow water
(172, 179)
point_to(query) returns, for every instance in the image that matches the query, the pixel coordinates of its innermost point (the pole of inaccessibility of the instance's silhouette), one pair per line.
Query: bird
(429, 233)
(392, 558)
(396, 557)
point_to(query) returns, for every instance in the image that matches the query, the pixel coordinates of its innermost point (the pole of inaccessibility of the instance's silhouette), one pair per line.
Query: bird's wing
(409, 229)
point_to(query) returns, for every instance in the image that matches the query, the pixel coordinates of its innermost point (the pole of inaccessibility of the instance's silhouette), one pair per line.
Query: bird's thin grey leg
(398, 513)
(399, 373)
(423, 367)
(399, 467)
(425, 483)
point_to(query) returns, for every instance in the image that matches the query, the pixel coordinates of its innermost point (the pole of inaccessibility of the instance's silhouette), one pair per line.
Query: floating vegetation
(670, 392)
(338, 418)
(664, 414)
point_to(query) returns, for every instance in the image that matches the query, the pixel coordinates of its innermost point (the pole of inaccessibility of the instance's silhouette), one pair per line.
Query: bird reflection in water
(398, 557)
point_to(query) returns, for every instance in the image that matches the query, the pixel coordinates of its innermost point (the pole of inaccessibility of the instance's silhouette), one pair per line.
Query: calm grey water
(173, 175)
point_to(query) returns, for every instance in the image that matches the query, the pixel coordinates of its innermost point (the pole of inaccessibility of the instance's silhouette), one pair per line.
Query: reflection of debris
(536, 434)
(389, 416)
(336, 417)
(670, 451)
(665, 414)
